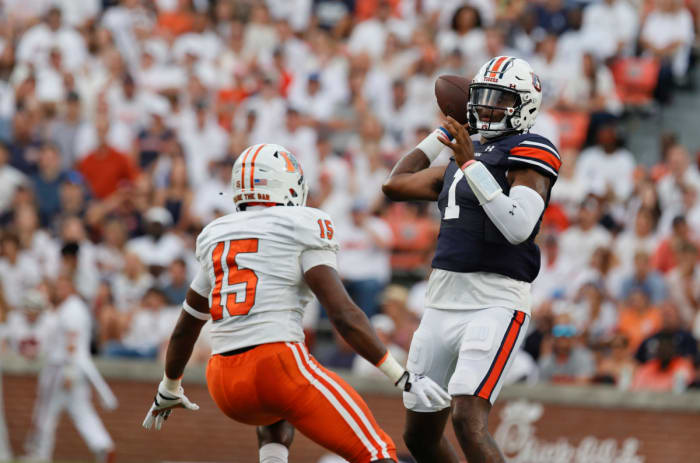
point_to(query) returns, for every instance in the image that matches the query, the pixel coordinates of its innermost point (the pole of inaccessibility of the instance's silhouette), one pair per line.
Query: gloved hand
(163, 404)
(427, 390)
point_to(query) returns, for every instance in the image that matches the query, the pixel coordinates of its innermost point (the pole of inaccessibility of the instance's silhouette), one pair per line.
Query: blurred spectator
(665, 257)
(147, 328)
(105, 169)
(18, 270)
(10, 179)
(553, 70)
(666, 371)
(564, 358)
(465, 34)
(129, 286)
(667, 34)
(39, 40)
(155, 135)
(681, 173)
(211, 199)
(177, 282)
(607, 168)
(616, 364)
(301, 141)
(570, 189)
(414, 235)
(84, 281)
(37, 242)
(638, 319)
(684, 283)
(684, 343)
(550, 281)
(595, 314)
(644, 278)
(24, 144)
(609, 28)
(640, 238)
(109, 254)
(579, 241)
(158, 247)
(203, 142)
(370, 35)
(47, 183)
(27, 326)
(551, 16)
(592, 90)
(393, 304)
(363, 259)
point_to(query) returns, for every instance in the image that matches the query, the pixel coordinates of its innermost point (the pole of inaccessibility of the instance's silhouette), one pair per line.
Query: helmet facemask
(491, 108)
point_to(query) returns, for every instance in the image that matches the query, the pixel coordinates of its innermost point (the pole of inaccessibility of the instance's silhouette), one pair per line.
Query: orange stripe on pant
(345, 396)
(282, 381)
(489, 383)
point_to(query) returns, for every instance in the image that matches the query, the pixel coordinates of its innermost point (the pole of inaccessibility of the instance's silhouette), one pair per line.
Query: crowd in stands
(120, 122)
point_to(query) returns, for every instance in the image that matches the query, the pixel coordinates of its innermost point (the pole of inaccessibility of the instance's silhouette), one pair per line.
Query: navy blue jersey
(468, 240)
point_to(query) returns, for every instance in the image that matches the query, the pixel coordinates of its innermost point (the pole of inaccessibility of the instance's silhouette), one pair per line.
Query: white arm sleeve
(314, 257)
(516, 215)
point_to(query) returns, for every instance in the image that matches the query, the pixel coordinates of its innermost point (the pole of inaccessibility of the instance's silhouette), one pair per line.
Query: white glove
(427, 390)
(163, 404)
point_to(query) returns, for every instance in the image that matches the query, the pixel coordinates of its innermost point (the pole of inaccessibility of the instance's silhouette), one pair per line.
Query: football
(452, 94)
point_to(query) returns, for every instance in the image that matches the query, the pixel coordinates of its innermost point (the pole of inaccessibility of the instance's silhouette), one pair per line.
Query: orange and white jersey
(252, 271)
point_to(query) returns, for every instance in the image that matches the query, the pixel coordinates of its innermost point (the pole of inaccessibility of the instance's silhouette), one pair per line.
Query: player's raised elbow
(518, 236)
(391, 189)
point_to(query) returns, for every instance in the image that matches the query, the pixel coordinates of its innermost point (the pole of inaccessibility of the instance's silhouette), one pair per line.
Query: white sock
(273, 453)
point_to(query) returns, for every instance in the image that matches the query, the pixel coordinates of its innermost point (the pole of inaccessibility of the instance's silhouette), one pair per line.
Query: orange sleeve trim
(538, 154)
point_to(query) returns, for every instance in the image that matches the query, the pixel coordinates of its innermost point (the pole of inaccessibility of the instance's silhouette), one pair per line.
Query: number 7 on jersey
(239, 280)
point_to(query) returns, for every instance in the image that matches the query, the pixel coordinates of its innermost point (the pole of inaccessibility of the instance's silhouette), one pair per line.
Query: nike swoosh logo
(518, 78)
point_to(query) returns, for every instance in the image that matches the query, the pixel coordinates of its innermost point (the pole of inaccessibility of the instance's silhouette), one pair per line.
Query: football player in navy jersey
(491, 197)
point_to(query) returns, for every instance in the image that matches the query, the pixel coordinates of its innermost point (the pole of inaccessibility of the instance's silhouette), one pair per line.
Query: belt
(238, 351)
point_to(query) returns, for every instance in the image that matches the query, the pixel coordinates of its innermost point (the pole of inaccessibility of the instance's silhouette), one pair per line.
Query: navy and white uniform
(478, 295)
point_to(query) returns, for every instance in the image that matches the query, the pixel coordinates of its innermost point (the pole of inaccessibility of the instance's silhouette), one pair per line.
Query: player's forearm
(181, 345)
(399, 183)
(357, 331)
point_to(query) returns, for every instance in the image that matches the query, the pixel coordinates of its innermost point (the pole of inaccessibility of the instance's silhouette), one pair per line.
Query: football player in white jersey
(260, 267)
(64, 381)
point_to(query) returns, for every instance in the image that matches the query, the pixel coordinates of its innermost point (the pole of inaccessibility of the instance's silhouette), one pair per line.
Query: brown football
(452, 94)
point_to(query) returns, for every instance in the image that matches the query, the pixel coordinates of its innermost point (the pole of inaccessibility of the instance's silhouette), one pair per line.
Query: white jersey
(252, 271)
(73, 327)
(476, 290)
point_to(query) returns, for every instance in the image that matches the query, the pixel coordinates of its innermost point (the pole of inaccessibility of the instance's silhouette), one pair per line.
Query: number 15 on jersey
(241, 283)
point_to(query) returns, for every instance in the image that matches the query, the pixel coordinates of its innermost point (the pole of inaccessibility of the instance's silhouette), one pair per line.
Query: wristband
(431, 146)
(481, 181)
(467, 164)
(172, 385)
(391, 368)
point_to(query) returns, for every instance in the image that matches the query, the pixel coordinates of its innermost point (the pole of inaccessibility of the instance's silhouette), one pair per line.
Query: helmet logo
(292, 164)
(496, 67)
(536, 82)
